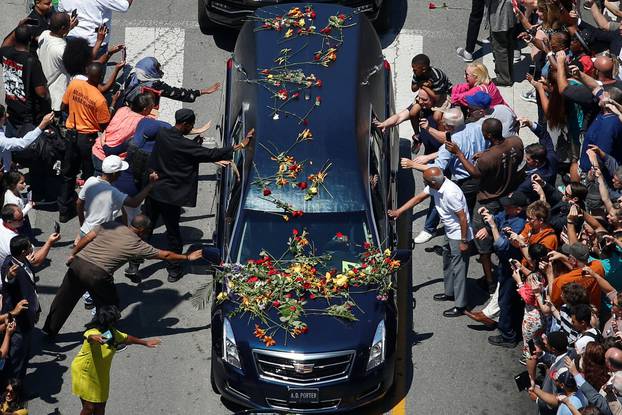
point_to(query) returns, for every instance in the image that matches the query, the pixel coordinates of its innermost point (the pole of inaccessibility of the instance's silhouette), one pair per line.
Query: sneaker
(484, 41)
(423, 237)
(466, 56)
(518, 56)
(529, 96)
(500, 341)
(174, 277)
(133, 273)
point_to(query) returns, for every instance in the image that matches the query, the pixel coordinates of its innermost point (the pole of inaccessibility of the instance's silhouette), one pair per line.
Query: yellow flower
(328, 277)
(387, 252)
(313, 190)
(301, 22)
(222, 296)
(289, 33)
(351, 274)
(341, 280)
(286, 218)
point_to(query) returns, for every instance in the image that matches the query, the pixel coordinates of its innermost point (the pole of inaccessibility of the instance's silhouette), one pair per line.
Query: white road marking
(399, 54)
(166, 44)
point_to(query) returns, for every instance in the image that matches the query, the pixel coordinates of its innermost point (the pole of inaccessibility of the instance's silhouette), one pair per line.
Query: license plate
(304, 396)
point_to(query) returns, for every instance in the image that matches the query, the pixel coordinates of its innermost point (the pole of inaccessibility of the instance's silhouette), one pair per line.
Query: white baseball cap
(113, 164)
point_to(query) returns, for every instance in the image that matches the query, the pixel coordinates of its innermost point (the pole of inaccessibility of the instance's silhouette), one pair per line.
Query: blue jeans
(432, 218)
(511, 315)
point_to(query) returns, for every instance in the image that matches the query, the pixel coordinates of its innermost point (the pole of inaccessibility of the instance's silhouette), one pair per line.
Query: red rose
(318, 83)
(339, 235)
(252, 280)
(267, 192)
(341, 16)
(292, 308)
(302, 185)
(276, 304)
(295, 232)
(288, 295)
(312, 296)
(304, 329)
(432, 6)
(366, 245)
(297, 213)
(313, 15)
(305, 121)
(325, 30)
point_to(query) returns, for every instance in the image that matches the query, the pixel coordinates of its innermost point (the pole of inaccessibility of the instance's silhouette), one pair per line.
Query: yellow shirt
(5, 408)
(90, 370)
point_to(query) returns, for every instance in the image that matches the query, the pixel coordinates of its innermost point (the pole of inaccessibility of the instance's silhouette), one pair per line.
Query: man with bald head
(88, 115)
(499, 164)
(451, 206)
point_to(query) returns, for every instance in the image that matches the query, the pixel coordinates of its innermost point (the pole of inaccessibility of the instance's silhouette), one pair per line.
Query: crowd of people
(94, 148)
(545, 218)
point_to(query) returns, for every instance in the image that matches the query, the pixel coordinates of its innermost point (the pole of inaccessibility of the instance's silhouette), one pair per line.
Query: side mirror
(211, 255)
(402, 255)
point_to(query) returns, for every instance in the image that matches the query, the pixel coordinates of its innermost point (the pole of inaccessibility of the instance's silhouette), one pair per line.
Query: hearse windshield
(340, 234)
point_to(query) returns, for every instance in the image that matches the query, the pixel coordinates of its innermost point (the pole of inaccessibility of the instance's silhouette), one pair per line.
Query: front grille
(303, 369)
(284, 405)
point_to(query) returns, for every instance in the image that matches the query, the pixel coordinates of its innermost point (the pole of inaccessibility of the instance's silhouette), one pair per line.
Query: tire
(206, 25)
(383, 21)
(212, 379)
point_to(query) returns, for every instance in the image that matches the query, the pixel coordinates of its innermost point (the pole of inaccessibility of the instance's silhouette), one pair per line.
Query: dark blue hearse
(339, 365)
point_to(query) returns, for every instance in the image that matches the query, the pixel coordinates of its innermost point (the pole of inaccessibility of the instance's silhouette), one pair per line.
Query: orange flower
(269, 341)
(259, 332)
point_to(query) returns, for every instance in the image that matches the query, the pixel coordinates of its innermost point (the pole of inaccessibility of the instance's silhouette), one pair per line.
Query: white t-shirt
(91, 15)
(10, 198)
(449, 199)
(51, 49)
(102, 202)
(6, 235)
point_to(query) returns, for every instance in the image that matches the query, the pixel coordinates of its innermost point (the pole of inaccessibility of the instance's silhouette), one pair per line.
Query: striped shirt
(440, 82)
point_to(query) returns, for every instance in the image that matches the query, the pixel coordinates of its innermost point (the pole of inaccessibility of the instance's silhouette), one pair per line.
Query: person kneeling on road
(93, 262)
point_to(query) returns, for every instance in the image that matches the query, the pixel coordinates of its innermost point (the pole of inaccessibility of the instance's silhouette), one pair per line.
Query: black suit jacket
(176, 160)
(20, 288)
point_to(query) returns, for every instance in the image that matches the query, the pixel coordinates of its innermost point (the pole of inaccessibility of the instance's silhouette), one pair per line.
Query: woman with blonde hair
(477, 79)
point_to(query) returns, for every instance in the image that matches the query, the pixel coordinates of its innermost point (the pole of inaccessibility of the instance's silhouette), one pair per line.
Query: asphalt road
(449, 367)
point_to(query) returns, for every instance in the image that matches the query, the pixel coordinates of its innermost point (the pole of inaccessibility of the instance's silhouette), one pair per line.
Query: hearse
(338, 365)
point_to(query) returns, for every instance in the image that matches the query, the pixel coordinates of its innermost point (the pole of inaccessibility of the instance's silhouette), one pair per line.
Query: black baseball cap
(516, 199)
(185, 115)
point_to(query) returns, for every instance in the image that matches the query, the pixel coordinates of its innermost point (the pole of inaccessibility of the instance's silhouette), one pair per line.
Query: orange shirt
(590, 284)
(546, 236)
(87, 107)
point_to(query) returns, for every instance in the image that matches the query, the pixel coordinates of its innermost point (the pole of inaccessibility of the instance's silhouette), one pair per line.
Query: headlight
(230, 349)
(376, 351)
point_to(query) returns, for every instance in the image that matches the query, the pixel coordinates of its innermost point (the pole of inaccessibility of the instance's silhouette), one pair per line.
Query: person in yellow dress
(90, 369)
(11, 399)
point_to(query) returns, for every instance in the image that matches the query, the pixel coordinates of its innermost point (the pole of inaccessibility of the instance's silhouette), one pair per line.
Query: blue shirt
(502, 246)
(605, 132)
(469, 140)
(548, 171)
